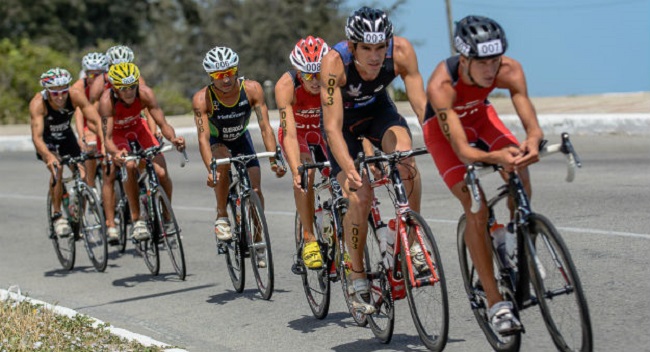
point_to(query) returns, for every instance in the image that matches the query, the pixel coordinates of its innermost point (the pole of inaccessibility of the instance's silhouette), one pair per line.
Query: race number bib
(374, 37)
(490, 48)
(312, 67)
(128, 80)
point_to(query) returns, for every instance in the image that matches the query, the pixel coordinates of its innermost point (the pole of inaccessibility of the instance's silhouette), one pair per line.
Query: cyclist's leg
(90, 148)
(222, 226)
(108, 194)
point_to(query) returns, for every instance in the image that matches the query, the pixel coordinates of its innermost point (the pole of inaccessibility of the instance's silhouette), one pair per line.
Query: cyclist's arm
(106, 112)
(150, 102)
(96, 90)
(200, 109)
(78, 119)
(284, 96)
(79, 100)
(332, 79)
(406, 65)
(37, 112)
(256, 97)
(511, 76)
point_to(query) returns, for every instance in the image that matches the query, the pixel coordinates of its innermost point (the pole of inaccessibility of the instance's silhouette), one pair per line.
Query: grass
(25, 326)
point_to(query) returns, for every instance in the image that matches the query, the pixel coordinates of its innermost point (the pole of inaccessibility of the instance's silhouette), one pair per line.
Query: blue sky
(567, 47)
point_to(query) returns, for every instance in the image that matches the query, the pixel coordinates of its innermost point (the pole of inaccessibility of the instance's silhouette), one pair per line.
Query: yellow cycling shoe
(311, 256)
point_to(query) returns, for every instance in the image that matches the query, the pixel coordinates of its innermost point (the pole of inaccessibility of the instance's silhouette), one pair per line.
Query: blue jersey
(358, 93)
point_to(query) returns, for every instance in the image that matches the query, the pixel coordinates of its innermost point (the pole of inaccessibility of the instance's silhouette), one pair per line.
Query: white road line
(644, 236)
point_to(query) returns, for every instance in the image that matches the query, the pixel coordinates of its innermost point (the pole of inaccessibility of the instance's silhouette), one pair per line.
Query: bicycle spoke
(64, 247)
(234, 249)
(383, 320)
(260, 249)
(170, 232)
(93, 229)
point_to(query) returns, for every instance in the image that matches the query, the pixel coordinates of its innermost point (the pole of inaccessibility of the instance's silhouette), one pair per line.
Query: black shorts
(240, 146)
(66, 146)
(371, 122)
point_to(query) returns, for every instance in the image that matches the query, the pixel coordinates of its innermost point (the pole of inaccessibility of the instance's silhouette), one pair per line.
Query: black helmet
(368, 25)
(479, 37)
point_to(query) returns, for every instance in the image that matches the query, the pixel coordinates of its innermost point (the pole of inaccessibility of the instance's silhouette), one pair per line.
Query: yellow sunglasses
(223, 74)
(309, 76)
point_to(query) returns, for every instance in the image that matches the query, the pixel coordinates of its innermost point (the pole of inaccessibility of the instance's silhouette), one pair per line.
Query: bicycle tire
(478, 299)
(235, 247)
(257, 235)
(173, 241)
(433, 336)
(64, 248)
(559, 292)
(382, 321)
(149, 248)
(316, 283)
(122, 215)
(93, 227)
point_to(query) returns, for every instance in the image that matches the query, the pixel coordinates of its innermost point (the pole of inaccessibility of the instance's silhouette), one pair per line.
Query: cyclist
(354, 76)
(94, 65)
(459, 114)
(115, 55)
(51, 111)
(120, 107)
(222, 111)
(297, 94)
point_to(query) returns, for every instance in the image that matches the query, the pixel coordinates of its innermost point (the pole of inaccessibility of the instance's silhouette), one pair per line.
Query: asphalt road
(603, 216)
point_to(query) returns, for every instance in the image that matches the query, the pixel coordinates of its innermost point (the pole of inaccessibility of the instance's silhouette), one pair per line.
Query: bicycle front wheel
(260, 245)
(149, 248)
(478, 299)
(382, 321)
(234, 249)
(428, 303)
(559, 291)
(316, 283)
(63, 246)
(93, 228)
(170, 232)
(122, 214)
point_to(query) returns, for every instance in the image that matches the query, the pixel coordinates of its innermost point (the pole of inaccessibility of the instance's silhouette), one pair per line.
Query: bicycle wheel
(149, 248)
(64, 247)
(122, 214)
(234, 248)
(478, 299)
(170, 232)
(382, 321)
(257, 235)
(93, 228)
(316, 283)
(429, 305)
(559, 291)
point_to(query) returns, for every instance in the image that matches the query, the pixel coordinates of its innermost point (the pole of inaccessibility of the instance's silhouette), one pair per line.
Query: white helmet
(119, 54)
(94, 62)
(56, 77)
(220, 58)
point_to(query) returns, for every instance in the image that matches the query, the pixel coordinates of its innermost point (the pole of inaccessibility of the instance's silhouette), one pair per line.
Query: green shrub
(172, 101)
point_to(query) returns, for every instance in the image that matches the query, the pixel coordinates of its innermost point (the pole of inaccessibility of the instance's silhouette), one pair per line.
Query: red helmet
(307, 54)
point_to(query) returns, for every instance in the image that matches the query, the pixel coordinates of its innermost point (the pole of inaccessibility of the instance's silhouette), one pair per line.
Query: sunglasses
(125, 88)
(310, 76)
(56, 93)
(223, 74)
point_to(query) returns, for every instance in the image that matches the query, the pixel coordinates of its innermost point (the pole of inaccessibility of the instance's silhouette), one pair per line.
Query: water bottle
(390, 243)
(72, 206)
(500, 236)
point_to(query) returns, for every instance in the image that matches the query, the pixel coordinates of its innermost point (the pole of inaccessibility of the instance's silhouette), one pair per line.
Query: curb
(14, 293)
(552, 124)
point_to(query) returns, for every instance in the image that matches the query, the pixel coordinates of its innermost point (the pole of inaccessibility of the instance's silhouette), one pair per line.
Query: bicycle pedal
(297, 269)
(221, 248)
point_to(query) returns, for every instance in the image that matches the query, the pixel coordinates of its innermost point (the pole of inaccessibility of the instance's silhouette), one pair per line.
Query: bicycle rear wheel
(559, 291)
(64, 247)
(428, 303)
(316, 283)
(260, 245)
(170, 232)
(382, 321)
(93, 228)
(478, 299)
(234, 248)
(149, 248)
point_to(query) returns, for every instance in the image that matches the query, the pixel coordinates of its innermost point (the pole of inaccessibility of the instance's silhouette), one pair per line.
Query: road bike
(156, 210)
(329, 200)
(538, 258)
(393, 271)
(85, 215)
(250, 233)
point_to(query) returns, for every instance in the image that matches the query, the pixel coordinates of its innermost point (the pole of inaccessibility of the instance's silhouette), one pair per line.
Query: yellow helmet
(124, 74)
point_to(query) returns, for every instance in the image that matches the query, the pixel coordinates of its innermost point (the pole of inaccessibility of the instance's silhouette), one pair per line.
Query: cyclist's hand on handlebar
(354, 180)
(279, 170)
(118, 158)
(179, 142)
(529, 153)
(507, 157)
(297, 179)
(211, 181)
(52, 162)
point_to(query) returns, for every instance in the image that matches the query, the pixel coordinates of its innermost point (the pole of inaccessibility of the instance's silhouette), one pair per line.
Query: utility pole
(450, 23)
